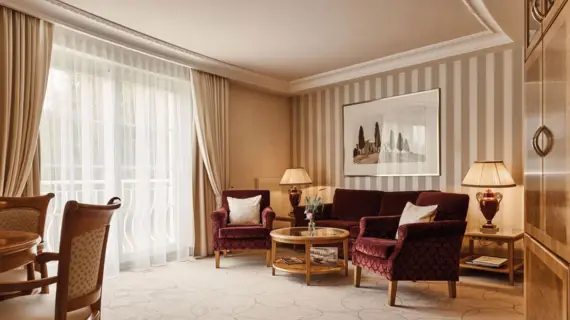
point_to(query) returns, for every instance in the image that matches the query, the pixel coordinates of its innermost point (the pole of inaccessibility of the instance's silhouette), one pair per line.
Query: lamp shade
(295, 176)
(488, 174)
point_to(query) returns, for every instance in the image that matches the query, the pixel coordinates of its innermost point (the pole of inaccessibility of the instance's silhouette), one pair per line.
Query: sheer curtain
(118, 122)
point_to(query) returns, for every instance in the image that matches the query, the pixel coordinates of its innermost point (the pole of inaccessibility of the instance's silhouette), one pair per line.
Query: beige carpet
(244, 289)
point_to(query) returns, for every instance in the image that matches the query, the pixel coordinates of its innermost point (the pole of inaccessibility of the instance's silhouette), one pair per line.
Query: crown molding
(61, 13)
(491, 37)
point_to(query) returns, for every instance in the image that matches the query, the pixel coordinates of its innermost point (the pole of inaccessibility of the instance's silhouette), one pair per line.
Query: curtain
(211, 102)
(119, 123)
(25, 49)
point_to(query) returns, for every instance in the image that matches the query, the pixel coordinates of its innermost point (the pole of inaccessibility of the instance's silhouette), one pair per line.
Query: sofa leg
(268, 258)
(452, 287)
(217, 252)
(357, 276)
(392, 288)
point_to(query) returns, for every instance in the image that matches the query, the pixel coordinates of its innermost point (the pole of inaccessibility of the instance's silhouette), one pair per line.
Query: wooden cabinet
(539, 16)
(546, 283)
(547, 160)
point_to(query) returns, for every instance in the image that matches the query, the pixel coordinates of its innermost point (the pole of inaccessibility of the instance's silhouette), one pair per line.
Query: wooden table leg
(471, 246)
(31, 275)
(308, 262)
(345, 247)
(511, 262)
(273, 252)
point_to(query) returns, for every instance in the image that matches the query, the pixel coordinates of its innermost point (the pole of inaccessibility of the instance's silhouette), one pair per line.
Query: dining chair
(79, 279)
(23, 214)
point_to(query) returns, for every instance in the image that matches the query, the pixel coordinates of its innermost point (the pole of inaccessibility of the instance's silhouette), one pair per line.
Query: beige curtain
(211, 102)
(25, 54)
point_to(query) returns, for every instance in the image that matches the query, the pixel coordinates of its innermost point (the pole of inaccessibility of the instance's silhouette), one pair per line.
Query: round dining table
(17, 249)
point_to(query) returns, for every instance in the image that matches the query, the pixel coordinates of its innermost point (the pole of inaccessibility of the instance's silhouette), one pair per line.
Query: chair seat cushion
(376, 247)
(37, 307)
(340, 224)
(244, 232)
(16, 275)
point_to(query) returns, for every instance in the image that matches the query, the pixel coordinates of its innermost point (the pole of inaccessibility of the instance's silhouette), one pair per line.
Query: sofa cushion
(376, 247)
(244, 232)
(393, 203)
(340, 224)
(450, 206)
(355, 204)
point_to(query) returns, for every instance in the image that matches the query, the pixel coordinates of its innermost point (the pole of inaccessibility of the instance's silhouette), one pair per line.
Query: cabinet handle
(536, 14)
(535, 145)
(549, 140)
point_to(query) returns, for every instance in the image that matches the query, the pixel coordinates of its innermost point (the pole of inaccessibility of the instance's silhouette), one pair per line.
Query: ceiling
(289, 46)
(292, 39)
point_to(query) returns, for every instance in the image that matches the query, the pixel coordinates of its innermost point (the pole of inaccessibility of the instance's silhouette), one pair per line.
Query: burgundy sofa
(349, 206)
(239, 237)
(427, 251)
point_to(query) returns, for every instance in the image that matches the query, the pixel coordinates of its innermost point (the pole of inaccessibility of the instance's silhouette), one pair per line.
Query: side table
(501, 237)
(290, 220)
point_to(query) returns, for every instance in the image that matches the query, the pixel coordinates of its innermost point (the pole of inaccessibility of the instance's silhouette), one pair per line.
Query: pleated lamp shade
(488, 174)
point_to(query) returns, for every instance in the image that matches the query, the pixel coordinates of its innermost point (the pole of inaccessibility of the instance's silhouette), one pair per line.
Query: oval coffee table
(302, 235)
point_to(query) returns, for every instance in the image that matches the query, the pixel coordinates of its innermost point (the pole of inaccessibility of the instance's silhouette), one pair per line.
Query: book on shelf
(326, 256)
(486, 261)
(293, 260)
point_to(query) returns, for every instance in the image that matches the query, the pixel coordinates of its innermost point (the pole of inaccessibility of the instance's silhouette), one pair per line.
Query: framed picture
(396, 136)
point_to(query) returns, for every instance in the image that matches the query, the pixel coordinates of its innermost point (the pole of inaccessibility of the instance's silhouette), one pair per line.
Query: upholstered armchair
(242, 237)
(427, 251)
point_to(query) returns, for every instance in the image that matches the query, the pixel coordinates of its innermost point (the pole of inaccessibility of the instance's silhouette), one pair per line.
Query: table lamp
(295, 177)
(489, 174)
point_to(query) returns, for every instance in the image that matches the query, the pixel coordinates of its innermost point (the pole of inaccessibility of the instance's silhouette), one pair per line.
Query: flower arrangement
(312, 206)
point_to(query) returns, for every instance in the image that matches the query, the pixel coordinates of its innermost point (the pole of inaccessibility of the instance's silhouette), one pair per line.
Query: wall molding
(61, 13)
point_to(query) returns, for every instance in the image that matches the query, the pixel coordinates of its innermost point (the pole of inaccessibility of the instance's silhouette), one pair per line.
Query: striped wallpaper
(481, 119)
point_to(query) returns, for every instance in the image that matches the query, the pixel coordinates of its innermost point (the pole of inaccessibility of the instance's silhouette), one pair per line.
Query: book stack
(486, 261)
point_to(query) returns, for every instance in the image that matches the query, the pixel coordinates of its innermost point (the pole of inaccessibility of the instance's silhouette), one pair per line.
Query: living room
(326, 159)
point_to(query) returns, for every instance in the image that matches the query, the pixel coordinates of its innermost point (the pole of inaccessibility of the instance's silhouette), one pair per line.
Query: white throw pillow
(244, 211)
(413, 213)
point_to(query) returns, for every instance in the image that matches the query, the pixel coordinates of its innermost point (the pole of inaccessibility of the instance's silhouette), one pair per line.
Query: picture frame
(395, 136)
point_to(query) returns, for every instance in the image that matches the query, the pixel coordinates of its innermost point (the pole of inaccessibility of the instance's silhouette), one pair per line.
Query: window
(117, 123)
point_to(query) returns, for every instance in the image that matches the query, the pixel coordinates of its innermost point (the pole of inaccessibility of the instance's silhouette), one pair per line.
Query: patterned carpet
(243, 289)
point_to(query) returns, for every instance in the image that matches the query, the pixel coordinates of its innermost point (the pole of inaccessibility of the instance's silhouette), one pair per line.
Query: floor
(243, 289)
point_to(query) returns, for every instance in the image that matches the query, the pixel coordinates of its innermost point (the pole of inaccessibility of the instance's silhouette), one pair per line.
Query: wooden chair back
(24, 213)
(84, 234)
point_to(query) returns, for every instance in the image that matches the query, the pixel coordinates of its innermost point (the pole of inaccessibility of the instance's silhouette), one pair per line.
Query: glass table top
(305, 232)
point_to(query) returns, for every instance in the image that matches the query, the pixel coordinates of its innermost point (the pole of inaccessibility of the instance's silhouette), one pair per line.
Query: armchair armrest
(324, 214)
(425, 230)
(27, 285)
(219, 220)
(46, 257)
(379, 227)
(267, 216)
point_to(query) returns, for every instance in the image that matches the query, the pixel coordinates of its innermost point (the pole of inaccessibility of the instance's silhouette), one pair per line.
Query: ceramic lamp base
(489, 229)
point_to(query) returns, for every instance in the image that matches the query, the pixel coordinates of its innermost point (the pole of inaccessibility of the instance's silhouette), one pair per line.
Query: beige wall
(260, 140)
(481, 119)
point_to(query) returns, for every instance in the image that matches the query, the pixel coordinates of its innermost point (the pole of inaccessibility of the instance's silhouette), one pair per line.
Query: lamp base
(489, 203)
(294, 198)
(489, 229)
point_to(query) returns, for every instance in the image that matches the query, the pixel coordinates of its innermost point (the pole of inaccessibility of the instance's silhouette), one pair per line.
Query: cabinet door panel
(550, 11)
(545, 283)
(556, 180)
(533, 28)
(533, 162)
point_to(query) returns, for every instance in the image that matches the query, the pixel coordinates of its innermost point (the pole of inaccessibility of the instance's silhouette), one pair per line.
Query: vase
(312, 225)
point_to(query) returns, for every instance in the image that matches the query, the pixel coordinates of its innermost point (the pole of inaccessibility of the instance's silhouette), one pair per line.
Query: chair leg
(357, 276)
(44, 273)
(452, 287)
(268, 258)
(217, 252)
(392, 288)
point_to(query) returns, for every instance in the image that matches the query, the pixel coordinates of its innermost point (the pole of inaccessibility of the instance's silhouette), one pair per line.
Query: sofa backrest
(354, 204)
(450, 206)
(393, 203)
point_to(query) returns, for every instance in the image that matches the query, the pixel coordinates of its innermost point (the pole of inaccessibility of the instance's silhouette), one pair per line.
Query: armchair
(427, 251)
(242, 237)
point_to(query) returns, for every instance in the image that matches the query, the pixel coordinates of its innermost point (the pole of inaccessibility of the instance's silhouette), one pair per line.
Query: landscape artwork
(396, 136)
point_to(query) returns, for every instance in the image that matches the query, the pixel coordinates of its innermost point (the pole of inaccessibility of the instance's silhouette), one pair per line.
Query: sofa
(349, 206)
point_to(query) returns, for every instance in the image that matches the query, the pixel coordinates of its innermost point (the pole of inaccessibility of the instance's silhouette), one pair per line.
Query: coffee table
(303, 235)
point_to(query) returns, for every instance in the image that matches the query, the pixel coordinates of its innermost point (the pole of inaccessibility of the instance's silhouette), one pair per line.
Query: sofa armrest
(267, 216)
(379, 227)
(323, 214)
